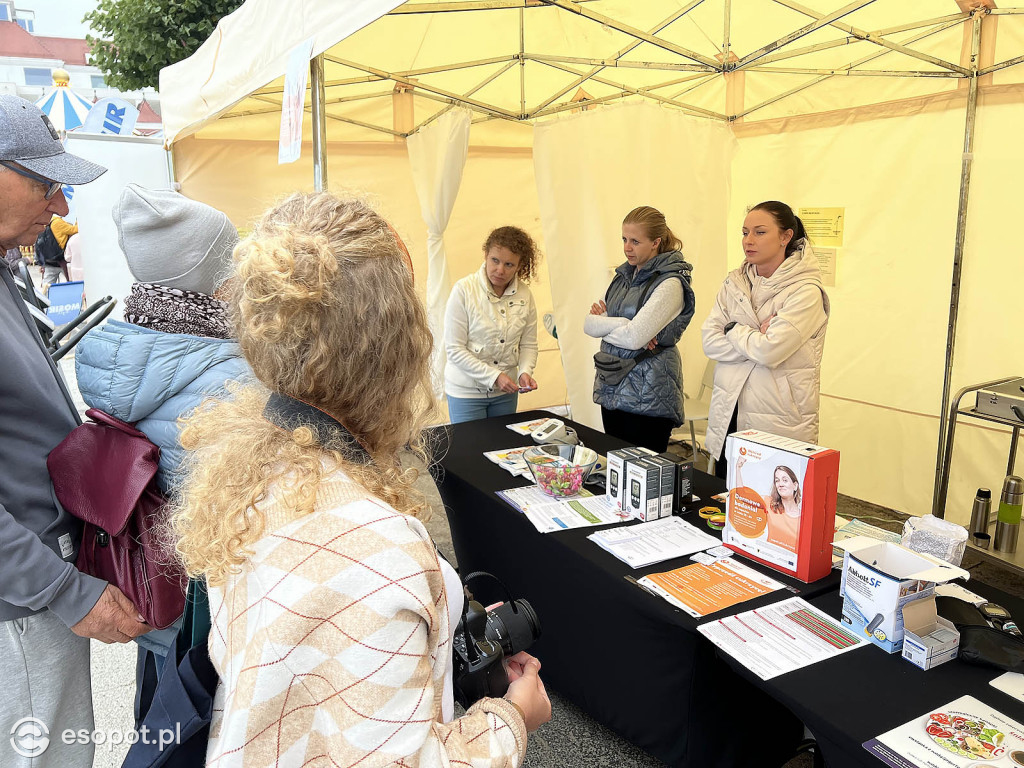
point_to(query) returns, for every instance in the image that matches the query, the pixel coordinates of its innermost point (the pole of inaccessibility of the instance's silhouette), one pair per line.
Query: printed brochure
(965, 733)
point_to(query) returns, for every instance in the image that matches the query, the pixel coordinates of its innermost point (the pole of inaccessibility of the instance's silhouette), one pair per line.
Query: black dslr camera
(482, 641)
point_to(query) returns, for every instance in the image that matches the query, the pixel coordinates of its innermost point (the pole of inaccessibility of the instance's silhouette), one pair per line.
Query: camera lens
(514, 630)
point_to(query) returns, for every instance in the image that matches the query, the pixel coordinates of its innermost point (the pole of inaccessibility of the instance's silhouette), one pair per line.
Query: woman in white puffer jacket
(767, 333)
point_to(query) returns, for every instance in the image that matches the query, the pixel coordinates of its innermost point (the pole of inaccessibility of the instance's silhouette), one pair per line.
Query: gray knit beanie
(173, 241)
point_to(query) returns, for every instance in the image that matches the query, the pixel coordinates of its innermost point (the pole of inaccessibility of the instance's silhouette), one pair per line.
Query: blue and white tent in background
(65, 108)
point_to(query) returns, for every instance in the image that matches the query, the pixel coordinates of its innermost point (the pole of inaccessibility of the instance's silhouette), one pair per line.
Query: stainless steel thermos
(1011, 501)
(980, 514)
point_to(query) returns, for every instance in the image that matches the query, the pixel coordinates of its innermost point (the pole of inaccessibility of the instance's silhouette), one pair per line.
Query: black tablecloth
(864, 693)
(627, 658)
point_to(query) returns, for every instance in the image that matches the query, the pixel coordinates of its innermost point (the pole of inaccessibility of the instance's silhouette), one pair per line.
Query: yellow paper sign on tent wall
(824, 225)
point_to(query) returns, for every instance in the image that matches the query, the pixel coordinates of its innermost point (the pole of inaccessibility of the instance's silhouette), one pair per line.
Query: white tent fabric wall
(592, 169)
(437, 156)
(989, 339)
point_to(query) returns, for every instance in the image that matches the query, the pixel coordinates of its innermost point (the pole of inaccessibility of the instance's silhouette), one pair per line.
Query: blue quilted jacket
(152, 378)
(655, 386)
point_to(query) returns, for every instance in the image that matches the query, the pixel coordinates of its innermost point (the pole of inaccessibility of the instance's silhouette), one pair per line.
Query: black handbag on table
(981, 643)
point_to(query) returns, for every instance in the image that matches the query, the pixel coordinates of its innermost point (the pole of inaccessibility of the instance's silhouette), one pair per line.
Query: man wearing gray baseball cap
(33, 165)
(48, 609)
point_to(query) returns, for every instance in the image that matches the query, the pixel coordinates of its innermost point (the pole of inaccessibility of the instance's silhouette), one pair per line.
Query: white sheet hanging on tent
(592, 169)
(437, 154)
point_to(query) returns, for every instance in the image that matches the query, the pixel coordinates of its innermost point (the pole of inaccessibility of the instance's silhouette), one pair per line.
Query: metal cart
(942, 472)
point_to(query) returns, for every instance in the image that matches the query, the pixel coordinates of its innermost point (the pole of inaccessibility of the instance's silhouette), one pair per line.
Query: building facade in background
(28, 62)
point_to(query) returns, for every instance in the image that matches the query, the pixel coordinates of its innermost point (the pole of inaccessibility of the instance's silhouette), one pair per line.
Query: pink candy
(559, 481)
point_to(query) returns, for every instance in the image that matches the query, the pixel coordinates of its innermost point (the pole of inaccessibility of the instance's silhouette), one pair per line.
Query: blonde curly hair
(325, 310)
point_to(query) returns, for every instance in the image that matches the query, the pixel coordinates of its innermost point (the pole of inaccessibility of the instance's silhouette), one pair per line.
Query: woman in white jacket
(490, 330)
(767, 333)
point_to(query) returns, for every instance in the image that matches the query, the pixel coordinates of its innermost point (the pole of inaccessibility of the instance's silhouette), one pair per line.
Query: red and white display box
(781, 507)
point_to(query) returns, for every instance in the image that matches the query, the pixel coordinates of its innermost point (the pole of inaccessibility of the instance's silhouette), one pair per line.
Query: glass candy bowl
(560, 470)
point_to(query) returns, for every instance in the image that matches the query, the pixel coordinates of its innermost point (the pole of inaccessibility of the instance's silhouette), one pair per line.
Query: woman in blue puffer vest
(174, 349)
(642, 317)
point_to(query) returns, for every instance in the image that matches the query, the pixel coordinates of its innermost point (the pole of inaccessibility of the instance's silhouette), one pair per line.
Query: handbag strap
(290, 413)
(647, 354)
(195, 625)
(100, 417)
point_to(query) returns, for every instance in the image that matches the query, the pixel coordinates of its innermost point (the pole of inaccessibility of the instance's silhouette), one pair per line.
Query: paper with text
(702, 588)
(779, 638)
(653, 542)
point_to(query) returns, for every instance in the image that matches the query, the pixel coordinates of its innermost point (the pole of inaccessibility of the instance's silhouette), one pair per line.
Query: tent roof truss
(688, 68)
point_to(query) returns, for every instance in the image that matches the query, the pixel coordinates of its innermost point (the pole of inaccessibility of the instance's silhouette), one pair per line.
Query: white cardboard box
(928, 639)
(880, 579)
(643, 489)
(615, 474)
(669, 470)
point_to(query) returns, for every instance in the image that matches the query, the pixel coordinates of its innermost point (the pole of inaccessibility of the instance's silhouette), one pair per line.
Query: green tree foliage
(135, 39)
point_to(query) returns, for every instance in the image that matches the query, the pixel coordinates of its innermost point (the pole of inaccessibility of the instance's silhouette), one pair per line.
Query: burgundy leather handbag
(104, 473)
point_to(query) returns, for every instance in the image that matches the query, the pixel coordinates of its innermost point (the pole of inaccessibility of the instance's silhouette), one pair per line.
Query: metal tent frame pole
(172, 176)
(966, 164)
(317, 98)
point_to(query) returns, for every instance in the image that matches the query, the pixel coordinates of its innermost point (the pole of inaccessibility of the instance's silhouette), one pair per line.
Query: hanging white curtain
(437, 154)
(595, 167)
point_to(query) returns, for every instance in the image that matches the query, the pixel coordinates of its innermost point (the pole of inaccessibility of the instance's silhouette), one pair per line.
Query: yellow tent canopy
(511, 61)
(561, 115)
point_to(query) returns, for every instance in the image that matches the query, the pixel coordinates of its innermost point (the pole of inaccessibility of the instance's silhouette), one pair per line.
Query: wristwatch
(729, 326)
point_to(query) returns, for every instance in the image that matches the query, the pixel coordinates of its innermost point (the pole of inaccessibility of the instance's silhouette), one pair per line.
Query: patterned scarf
(173, 310)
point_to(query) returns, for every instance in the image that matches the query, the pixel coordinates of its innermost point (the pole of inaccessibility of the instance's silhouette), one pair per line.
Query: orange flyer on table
(703, 589)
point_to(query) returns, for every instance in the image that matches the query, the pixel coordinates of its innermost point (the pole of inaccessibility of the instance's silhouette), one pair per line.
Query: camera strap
(291, 413)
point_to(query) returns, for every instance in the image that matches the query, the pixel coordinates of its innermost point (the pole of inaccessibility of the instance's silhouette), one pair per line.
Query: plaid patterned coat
(332, 643)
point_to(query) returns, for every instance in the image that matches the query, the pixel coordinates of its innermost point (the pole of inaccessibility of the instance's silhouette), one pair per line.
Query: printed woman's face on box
(784, 484)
